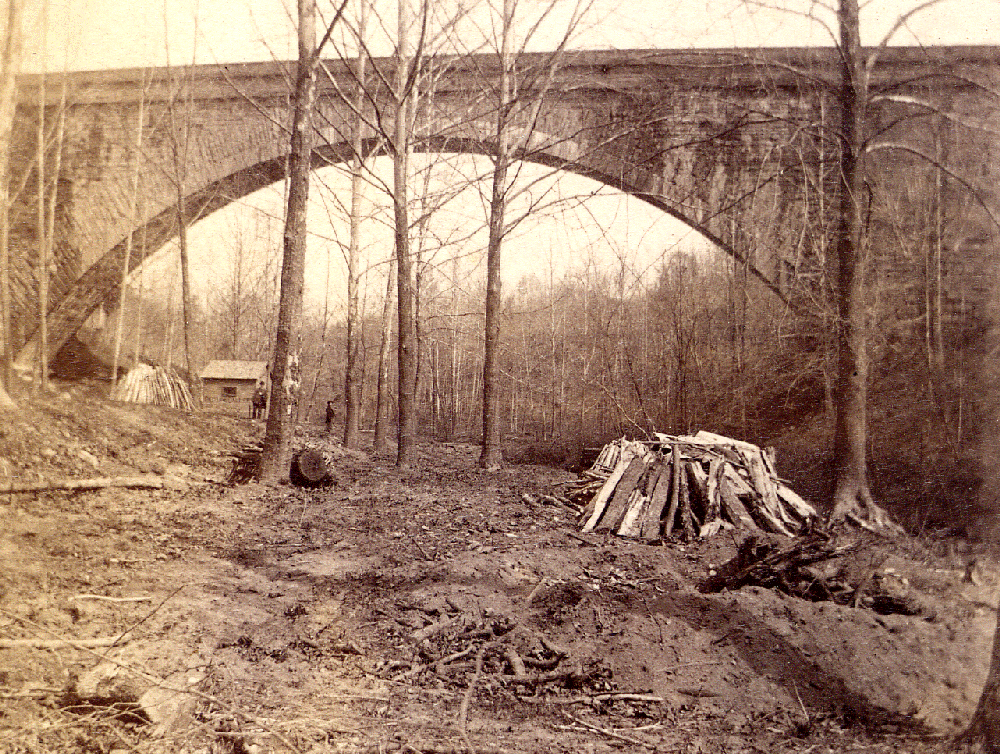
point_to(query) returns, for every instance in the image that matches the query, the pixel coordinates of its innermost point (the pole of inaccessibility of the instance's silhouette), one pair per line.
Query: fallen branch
(623, 696)
(156, 680)
(463, 710)
(430, 630)
(436, 665)
(148, 481)
(104, 641)
(105, 598)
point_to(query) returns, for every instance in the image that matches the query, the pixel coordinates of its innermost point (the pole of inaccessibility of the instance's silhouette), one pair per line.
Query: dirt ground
(437, 609)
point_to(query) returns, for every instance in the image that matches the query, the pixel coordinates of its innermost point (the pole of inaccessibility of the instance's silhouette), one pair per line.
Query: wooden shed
(229, 385)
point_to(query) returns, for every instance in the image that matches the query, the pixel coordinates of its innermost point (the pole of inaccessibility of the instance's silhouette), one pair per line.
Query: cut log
(612, 518)
(675, 491)
(764, 486)
(712, 507)
(149, 481)
(309, 468)
(596, 508)
(688, 522)
(698, 489)
(768, 520)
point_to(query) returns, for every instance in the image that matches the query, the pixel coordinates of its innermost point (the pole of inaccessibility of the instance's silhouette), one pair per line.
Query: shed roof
(222, 369)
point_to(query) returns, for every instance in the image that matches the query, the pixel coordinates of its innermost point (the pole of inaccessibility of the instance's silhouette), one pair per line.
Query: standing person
(259, 402)
(330, 412)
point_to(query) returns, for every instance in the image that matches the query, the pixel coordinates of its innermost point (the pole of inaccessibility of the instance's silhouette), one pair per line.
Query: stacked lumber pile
(693, 484)
(155, 385)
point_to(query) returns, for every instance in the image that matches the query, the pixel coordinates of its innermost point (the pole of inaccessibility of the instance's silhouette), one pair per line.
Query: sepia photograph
(499, 376)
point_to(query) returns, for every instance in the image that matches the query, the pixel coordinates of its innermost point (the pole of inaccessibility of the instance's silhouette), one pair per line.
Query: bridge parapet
(740, 144)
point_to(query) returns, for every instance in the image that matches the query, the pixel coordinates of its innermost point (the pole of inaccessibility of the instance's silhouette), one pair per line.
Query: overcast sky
(91, 34)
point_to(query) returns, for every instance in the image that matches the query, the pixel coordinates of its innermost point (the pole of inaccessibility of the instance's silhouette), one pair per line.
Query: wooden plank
(600, 501)
(651, 523)
(734, 510)
(612, 517)
(798, 504)
(698, 487)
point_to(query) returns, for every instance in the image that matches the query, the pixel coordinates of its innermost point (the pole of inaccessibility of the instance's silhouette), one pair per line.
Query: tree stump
(309, 469)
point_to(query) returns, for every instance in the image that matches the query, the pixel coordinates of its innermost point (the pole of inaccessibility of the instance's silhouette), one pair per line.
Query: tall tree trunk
(852, 496)
(353, 366)
(381, 440)
(983, 733)
(492, 454)
(405, 345)
(41, 235)
(276, 455)
(11, 40)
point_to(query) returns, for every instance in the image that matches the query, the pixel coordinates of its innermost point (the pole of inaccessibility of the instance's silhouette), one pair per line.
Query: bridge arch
(101, 281)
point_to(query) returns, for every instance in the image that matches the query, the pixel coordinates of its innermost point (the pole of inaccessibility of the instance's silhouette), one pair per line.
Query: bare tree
(983, 733)
(851, 493)
(285, 361)
(510, 107)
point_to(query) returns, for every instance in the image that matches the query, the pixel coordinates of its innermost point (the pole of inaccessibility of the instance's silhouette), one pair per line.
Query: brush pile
(693, 484)
(154, 385)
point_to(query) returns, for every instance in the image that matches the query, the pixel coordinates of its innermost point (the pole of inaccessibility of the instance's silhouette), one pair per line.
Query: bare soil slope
(432, 609)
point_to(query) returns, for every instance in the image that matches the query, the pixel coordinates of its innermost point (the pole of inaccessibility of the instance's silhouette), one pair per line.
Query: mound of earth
(432, 609)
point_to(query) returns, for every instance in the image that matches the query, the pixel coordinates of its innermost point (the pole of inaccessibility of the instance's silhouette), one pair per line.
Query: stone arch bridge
(740, 144)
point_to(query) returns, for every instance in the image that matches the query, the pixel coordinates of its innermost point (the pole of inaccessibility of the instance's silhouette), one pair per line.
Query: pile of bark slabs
(696, 485)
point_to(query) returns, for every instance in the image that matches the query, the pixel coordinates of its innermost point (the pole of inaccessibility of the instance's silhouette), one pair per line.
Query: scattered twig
(423, 552)
(610, 733)
(690, 665)
(704, 693)
(152, 612)
(534, 592)
(434, 628)
(623, 696)
(30, 693)
(578, 538)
